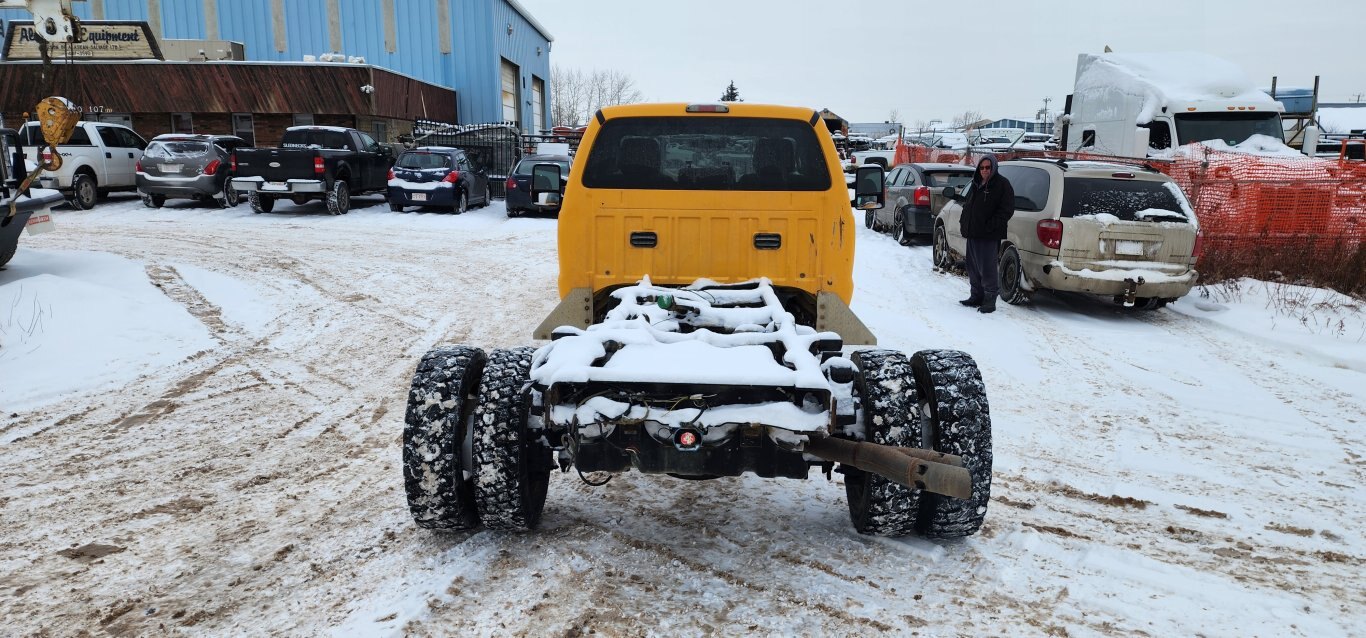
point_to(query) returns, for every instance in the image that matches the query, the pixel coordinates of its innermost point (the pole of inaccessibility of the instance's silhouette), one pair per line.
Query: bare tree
(967, 118)
(576, 94)
(894, 116)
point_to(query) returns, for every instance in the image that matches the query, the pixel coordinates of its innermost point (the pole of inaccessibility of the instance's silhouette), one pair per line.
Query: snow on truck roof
(1164, 78)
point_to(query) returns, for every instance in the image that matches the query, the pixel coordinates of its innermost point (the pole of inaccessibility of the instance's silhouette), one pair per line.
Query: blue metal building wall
(185, 21)
(305, 30)
(248, 22)
(476, 63)
(528, 49)
(479, 40)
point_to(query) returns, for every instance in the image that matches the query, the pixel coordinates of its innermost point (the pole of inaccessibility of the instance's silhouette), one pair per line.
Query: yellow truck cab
(725, 192)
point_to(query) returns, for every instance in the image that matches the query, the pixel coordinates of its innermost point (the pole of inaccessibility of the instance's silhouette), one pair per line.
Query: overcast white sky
(930, 60)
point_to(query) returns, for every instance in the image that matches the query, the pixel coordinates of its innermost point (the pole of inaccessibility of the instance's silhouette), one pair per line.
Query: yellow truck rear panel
(707, 233)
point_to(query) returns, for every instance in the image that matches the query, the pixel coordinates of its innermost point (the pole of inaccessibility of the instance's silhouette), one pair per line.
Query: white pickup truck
(100, 157)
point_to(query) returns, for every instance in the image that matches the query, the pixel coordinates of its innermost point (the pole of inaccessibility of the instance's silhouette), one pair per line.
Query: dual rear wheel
(935, 400)
(467, 455)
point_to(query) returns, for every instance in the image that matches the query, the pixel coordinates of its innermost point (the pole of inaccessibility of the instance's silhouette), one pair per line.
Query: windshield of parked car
(171, 150)
(712, 153)
(423, 161)
(1232, 128)
(316, 138)
(1127, 199)
(524, 167)
(955, 179)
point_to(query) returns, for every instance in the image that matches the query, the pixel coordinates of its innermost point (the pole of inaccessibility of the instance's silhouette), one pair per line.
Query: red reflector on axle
(687, 439)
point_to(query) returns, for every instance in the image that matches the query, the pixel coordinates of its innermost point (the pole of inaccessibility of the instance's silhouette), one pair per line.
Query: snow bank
(1325, 324)
(1163, 78)
(72, 321)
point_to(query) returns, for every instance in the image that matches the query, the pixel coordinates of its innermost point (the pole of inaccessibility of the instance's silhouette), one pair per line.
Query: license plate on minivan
(419, 197)
(1134, 248)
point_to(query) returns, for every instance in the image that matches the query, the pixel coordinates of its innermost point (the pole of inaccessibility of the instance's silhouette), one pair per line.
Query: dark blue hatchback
(437, 177)
(519, 184)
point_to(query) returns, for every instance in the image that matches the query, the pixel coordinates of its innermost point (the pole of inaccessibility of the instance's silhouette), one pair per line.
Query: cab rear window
(316, 138)
(704, 153)
(1123, 198)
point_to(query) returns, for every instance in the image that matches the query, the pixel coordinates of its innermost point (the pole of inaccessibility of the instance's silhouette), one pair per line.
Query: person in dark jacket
(989, 204)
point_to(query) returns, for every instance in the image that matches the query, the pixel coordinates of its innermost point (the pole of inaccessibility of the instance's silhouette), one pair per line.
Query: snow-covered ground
(201, 413)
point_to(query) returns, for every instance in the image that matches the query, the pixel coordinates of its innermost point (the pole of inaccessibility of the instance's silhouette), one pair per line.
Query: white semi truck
(1143, 104)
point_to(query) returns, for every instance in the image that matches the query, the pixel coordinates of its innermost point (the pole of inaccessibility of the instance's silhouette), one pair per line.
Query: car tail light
(452, 177)
(137, 166)
(318, 168)
(1199, 245)
(232, 162)
(1050, 232)
(512, 183)
(211, 168)
(922, 196)
(391, 175)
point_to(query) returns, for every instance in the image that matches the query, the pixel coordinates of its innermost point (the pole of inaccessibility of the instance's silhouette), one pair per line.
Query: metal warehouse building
(489, 57)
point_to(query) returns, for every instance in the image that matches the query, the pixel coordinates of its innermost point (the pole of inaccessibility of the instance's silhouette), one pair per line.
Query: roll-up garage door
(510, 76)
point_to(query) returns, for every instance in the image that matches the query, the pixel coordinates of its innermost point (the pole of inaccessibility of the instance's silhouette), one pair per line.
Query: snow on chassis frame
(699, 382)
(737, 366)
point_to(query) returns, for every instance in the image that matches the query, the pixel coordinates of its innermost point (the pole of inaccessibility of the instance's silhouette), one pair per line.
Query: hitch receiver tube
(893, 464)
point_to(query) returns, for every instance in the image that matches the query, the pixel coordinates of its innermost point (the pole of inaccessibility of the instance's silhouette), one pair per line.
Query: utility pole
(1043, 115)
(1357, 98)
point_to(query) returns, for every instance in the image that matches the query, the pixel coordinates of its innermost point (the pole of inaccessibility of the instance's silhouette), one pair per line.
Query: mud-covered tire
(512, 467)
(84, 191)
(260, 203)
(339, 198)
(440, 404)
(228, 197)
(870, 219)
(1010, 277)
(1148, 304)
(943, 257)
(887, 394)
(955, 419)
(899, 230)
(152, 201)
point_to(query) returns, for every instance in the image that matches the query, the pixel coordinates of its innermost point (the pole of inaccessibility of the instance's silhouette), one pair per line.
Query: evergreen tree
(731, 94)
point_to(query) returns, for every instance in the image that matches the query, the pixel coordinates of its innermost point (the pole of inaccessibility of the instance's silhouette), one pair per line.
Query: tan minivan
(1117, 230)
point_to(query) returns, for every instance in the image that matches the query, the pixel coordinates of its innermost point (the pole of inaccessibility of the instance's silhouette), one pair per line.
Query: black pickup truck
(314, 162)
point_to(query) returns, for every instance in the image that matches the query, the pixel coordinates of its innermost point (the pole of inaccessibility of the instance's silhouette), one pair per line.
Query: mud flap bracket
(576, 309)
(834, 316)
